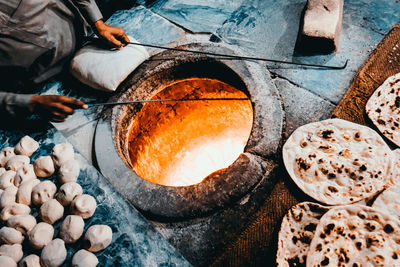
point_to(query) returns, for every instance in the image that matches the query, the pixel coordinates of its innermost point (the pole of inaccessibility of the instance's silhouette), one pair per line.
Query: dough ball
(5, 155)
(17, 162)
(84, 258)
(7, 179)
(24, 193)
(2, 170)
(43, 192)
(44, 166)
(72, 228)
(54, 254)
(14, 209)
(40, 235)
(97, 237)
(8, 196)
(12, 251)
(25, 173)
(7, 261)
(68, 192)
(68, 172)
(62, 153)
(22, 223)
(30, 261)
(10, 236)
(26, 146)
(51, 211)
(84, 206)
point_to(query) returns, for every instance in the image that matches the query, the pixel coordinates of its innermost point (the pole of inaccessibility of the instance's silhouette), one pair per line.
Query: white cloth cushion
(105, 69)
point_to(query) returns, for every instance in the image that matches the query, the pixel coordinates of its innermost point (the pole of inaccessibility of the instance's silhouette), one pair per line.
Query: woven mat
(256, 245)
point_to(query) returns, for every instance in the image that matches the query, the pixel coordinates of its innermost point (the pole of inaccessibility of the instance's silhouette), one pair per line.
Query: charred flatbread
(389, 201)
(383, 108)
(337, 162)
(297, 231)
(355, 235)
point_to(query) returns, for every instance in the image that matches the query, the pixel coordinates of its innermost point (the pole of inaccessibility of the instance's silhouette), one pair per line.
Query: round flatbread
(383, 108)
(355, 235)
(389, 201)
(297, 231)
(337, 162)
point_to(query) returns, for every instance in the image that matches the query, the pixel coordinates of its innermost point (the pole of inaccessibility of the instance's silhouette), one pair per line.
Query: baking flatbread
(383, 108)
(337, 162)
(389, 201)
(297, 231)
(355, 235)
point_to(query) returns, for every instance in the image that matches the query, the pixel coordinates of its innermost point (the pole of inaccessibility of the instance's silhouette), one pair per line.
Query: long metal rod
(235, 57)
(165, 100)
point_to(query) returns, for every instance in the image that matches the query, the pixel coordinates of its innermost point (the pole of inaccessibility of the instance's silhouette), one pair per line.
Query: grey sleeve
(14, 104)
(89, 9)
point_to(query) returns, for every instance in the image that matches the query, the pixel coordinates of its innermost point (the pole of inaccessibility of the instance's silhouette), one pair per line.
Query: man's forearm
(14, 104)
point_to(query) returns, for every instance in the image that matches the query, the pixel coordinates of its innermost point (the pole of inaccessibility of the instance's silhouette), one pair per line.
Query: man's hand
(114, 35)
(55, 108)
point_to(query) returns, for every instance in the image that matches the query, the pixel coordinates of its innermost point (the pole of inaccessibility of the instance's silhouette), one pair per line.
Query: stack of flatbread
(337, 162)
(383, 108)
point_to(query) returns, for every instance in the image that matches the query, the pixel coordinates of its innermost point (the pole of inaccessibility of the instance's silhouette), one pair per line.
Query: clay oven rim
(225, 185)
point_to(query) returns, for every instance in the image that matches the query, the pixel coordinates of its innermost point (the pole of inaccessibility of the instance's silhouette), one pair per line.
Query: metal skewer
(234, 57)
(164, 100)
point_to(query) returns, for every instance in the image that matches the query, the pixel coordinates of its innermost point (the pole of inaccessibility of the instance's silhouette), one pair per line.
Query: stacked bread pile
(350, 169)
(24, 186)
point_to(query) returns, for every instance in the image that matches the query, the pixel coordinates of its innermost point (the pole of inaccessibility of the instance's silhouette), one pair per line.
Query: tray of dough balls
(56, 210)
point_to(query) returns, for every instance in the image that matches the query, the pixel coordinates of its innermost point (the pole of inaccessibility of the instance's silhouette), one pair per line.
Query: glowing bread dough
(25, 173)
(7, 261)
(84, 258)
(84, 206)
(43, 192)
(26, 146)
(68, 172)
(68, 192)
(12, 251)
(51, 211)
(62, 153)
(22, 223)
(54, 253)
(8, 196)
(32, 260)
(72, 228)
(14, 209)
(44, 166)
(41, 235)
(7, 179)
(16, 162)
(5, 155)
(10, 236)
(24, 193)
(97, 237)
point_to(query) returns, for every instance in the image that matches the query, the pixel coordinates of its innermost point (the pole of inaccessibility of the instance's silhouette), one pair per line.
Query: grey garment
(37, 38)
(14, 104)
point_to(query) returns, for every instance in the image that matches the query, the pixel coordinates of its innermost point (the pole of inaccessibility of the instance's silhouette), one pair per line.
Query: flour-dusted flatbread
(297, 231)
(337, 162)
(383, 108)
(389, 201)
(395, 168)
(355, 235)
